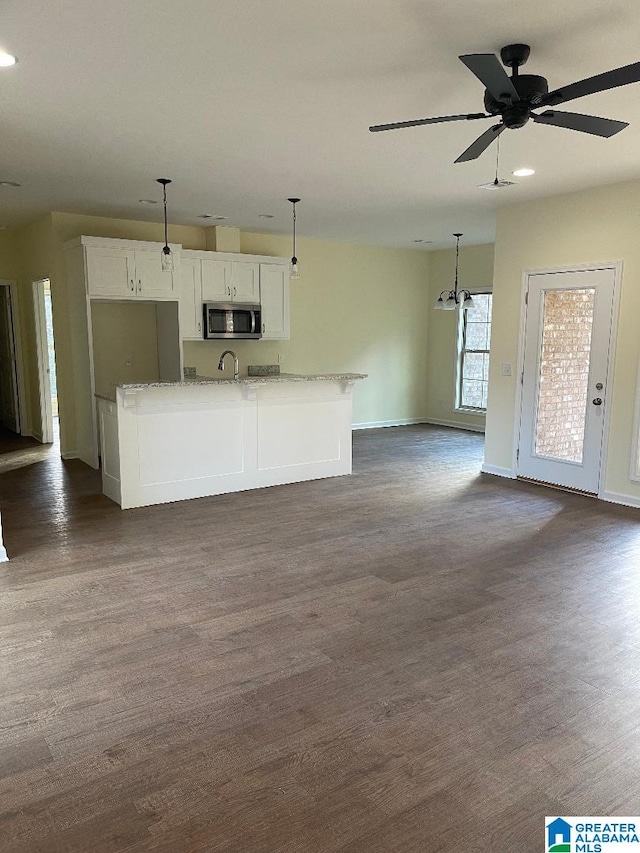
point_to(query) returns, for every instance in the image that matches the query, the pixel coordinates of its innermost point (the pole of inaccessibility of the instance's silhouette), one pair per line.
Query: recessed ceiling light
(266, 216)
(9, 184)
(147, 201)
(525, 172)
(7, 59)
(212, 216)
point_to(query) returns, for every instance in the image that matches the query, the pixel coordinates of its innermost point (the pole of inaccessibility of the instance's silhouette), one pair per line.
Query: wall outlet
(280, 358)
(505, 368)
(127, 361)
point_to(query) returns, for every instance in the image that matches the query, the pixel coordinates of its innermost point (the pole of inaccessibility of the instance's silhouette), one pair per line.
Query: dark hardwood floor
(415, 658)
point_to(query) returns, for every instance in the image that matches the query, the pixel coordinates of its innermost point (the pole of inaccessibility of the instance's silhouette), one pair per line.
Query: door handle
(597, 401)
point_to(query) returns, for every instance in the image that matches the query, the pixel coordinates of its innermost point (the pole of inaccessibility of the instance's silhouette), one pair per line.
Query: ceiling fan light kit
(514, 99)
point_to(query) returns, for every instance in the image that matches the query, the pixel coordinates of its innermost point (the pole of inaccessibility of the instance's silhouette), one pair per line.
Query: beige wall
(593, 226)
(475, 273)
(354, 308)
(125, 344)
(32, 245)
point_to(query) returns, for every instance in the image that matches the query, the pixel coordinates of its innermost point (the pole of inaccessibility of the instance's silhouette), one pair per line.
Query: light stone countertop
(243, 380)
(251, 380)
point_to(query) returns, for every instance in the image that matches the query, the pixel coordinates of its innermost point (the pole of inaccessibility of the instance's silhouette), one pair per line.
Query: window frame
(460, 353)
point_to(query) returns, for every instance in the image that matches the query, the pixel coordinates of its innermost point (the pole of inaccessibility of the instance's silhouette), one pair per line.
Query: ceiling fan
(515, 98)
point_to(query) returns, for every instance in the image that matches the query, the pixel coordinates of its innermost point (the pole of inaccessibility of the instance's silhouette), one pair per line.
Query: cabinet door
(152, 282)
(216, 281)
(190, 299)
(110, 273)
(245, 282)
(274, 299)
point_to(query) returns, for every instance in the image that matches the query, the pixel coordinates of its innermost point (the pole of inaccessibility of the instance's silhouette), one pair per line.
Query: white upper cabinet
(190, 298)
(152, 282)
(274, 299)
(111, 273)
(245, 282)
(216, 281)
(230, 281)
(119, 272)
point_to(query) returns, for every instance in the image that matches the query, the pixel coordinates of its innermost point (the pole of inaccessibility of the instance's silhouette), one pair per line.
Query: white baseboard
(377, 424)
(616, 498)
(69, 454)
(454, 425)
(498, 471)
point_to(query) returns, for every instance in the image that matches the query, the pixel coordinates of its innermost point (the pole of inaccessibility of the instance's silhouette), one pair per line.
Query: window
(474, 337)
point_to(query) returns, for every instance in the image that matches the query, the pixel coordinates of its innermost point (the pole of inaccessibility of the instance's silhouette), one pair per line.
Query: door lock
(597, 401)
(599, 386)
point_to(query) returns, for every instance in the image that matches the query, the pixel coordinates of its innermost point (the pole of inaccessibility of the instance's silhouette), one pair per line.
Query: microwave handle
(253, 322)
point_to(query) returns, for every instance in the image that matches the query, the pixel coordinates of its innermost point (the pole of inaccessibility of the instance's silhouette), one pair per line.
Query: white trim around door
(570, 478)
(42, 352)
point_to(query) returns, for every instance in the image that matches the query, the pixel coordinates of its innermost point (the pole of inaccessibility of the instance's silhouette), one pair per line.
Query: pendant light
(167, 256)
(293, 272)
(449, 300)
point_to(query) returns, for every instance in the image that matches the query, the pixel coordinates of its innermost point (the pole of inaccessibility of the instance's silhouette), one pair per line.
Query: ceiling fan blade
(489, 71)
(397, 124)
(585, 124)
(600, 83)
(482, 142)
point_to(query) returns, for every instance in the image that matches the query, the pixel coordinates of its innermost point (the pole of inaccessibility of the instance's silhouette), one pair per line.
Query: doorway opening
(45, 348)
(11, 391)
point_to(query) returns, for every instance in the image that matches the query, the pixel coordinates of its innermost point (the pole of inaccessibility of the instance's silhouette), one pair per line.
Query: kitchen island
(171, 441)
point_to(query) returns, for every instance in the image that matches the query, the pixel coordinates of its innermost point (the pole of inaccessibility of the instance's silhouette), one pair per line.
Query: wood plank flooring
(415, 658)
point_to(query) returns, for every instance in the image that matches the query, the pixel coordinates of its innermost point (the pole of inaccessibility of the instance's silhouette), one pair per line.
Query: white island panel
(186, 445)
(174, 441)
(291, 434)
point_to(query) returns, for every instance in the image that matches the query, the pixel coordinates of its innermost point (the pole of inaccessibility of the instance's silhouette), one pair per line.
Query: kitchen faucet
(236, 367)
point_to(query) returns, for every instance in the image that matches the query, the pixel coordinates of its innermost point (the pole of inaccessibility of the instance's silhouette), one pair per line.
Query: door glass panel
(565, 354)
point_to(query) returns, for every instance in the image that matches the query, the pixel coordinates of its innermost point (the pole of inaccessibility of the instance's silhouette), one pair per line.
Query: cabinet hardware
(139, 284)
(263, 328)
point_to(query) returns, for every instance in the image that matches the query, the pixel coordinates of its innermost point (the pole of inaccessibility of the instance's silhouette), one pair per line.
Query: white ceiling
(245, 102)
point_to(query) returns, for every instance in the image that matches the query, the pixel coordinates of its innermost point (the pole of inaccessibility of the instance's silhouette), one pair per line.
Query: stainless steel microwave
(231, 320)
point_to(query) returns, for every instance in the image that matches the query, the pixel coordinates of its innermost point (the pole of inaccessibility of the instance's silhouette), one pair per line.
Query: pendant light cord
(455, 285)
(166, 227)
(294, 230)
(496, 182)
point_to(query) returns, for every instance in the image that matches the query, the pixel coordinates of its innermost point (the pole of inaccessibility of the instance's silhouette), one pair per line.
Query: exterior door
(9, 408)
(564, 394)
